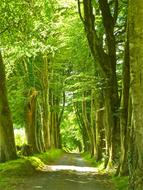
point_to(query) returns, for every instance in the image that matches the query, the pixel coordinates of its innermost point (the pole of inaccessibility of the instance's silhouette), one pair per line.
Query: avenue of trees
(71, 76)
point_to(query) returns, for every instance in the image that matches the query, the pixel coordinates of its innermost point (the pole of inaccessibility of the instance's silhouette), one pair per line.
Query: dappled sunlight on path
(71, 162)
(70, 168)
(69, 173)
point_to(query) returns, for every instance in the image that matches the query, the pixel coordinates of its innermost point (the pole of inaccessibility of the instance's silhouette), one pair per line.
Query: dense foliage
(68, 66)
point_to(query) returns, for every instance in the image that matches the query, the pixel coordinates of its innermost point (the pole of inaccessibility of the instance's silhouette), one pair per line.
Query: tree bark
(45, 105)
(87, 124)
(136, 73)
(7, 142)
(106, 62)
(99, 134)
(31, 117)
(124, 109)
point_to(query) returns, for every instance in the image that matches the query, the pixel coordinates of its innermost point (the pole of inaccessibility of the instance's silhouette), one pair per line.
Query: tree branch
(115, 16)
(98, 53)
(79, 10)
(108, 22)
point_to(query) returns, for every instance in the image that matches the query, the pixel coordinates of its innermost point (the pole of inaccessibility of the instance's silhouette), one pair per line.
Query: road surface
(69, 173)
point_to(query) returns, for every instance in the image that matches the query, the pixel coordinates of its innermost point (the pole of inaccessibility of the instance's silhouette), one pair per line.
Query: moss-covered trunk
(112, 132)
(97, 123)
(7, 143)
(99, 134)
(124, 116)
(87, 124)
(136, 73)
(30, 118)
(105, 60)
(45, 104)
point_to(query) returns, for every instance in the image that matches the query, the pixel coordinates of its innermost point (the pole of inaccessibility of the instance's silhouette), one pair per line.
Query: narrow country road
(69, 173)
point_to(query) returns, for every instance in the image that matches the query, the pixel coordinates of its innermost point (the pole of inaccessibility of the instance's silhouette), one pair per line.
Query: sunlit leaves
(70, 132)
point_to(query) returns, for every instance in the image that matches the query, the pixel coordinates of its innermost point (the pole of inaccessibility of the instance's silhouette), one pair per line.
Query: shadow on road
(69, 173)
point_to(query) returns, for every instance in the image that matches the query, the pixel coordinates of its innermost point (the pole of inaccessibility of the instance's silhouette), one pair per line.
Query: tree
(29, 58)
(105, 58)
(135, 19)
(124, 113)
(7, 143)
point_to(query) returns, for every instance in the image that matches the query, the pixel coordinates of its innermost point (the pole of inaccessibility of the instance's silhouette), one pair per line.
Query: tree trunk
(45, 105)
(87, 124)
(112, 132)
(82, 127)
(106, 62)
(124, 131)
(40, 139)
(99, 134)
(97, 123)
(59, 119)
(93, 123)
(100, 126)
(7, 143)
(136, 73)
(31, 117)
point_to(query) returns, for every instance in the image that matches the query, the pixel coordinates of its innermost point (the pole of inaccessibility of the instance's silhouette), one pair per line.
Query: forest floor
(68, 173)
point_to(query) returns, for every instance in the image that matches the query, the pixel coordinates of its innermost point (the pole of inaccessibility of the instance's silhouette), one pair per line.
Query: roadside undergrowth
(13, 171)
(92, 162)
(120, 182)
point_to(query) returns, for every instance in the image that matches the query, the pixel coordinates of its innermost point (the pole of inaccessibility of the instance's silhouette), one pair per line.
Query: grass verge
(121, 183)
(12, 172)
(92, 162)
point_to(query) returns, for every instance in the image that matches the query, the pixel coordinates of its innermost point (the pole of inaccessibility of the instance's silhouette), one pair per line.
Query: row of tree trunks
(85, 139)
(130, 129)
(43, 114)
(36, 115)
(91, 116)
(7, 143)
(42, 122)
(56, 115)
(106, 62)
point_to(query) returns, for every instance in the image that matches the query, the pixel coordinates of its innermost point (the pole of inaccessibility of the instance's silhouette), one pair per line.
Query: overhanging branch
(79, 10)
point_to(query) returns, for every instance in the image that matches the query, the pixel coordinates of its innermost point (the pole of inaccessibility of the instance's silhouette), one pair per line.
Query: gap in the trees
(70, 130)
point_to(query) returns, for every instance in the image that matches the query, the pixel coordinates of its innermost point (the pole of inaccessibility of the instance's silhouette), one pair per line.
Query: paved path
(69, 173)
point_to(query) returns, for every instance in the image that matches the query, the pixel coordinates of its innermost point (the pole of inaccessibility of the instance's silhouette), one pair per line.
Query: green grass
(87, 157)
(121, 183)
(17, 167)
(92, 161)
(50, 156)
(12, 172)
